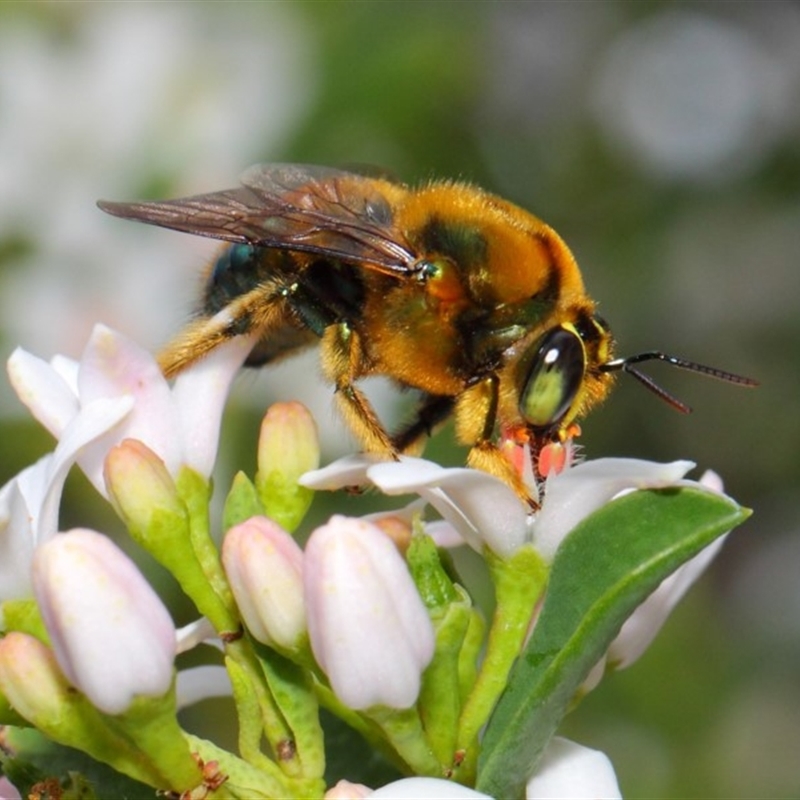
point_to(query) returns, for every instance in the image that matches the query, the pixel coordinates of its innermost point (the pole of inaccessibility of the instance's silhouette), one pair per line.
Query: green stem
(195, 491)
(440, 697)
(519, 583)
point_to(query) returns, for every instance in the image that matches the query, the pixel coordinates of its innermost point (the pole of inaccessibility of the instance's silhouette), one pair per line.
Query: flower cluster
(364, 620)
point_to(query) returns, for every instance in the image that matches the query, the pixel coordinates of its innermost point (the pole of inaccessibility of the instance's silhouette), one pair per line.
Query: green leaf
(603, 570)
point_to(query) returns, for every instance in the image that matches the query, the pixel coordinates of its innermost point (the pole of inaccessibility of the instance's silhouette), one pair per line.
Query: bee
(443, 288)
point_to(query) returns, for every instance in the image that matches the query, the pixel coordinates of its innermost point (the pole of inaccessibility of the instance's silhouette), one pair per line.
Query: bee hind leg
(433, 411)
(258, 312)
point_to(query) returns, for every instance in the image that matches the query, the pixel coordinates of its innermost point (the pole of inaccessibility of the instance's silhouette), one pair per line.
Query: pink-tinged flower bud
(111, 634)
(139, 483)
(8, 791)
(344, 790)
(264, 566)
(288, 447)
(369, 629)
(30, 678)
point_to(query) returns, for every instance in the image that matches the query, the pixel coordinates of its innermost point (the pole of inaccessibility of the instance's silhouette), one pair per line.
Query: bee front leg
(343, 361)
(475, 415)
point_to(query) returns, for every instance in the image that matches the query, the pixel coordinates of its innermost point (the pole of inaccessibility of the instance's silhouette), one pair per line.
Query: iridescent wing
(297, 207)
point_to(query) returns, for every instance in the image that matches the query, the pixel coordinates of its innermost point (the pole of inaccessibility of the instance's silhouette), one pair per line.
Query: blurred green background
(661, 140)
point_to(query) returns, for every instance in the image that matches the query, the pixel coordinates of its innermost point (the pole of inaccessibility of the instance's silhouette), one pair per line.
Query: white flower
(29, 502)
(570, 771)
(486, 512)
(567, 771)
(369, 629)
(572, 495)
(643, 625)
(111, 634)
(427, 789)
(118, 391)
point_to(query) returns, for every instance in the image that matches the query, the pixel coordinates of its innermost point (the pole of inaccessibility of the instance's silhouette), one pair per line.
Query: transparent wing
(297, 207)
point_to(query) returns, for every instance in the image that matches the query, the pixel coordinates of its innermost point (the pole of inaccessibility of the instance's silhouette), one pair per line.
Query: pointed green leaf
(603, 570)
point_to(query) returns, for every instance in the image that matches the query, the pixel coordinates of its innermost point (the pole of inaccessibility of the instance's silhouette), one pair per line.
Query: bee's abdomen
(235, 272)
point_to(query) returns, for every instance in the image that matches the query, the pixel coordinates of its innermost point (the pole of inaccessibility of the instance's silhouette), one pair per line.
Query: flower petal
(348, 471)
(199, 394)
(427, 789)
(345, 790)
(575, 493)
(482, 508)
(43, 390)
(85, 440)
(112, 366)
(201, 631)
(199, 683)
(17, 528)
(570, 771)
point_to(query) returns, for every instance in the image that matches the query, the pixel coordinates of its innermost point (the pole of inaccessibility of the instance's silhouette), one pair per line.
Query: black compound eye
(554, 378)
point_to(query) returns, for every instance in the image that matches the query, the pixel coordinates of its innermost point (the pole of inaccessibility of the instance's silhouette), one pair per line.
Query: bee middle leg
(433, 410)
(343, 362)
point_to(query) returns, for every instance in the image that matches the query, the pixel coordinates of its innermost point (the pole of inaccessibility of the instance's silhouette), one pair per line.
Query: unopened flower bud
(30, 678)
(139, 484)
(369, 629)
(264, 566)
(288, 447)
(111, 634)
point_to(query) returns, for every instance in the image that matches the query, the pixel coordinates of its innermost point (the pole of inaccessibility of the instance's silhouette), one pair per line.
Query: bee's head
(562, 376)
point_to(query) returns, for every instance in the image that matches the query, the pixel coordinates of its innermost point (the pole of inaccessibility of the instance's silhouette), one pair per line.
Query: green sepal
(144, 743)
(284, 500)
(242, 502)
(24, 616)
(202, 576)
(470, 653)
(151, 726)
(441, 696)
(402, 729)
(291, 687)
(9, 716)
(244, 781)
(603, 570)
(433, 583)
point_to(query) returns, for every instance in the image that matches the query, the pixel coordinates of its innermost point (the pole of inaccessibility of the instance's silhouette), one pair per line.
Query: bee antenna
(627, 365)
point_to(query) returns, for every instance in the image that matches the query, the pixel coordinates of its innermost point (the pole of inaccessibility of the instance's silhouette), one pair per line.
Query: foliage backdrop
(661, 140)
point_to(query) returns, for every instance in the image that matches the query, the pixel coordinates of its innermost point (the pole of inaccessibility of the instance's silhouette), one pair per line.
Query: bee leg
(343, 361)
(259, 311)
(433, 410)
(476, 413)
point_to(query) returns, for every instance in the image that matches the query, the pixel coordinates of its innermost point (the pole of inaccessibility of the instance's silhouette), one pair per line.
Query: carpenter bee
(445, 288)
